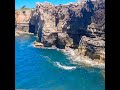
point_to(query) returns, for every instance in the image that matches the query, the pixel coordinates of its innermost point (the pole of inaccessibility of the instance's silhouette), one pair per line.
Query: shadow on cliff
(78, 24)
(31, 28)
(32, 23)
(36, 24)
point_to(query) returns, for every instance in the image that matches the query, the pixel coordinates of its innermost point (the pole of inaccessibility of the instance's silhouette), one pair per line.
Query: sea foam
(64, 66)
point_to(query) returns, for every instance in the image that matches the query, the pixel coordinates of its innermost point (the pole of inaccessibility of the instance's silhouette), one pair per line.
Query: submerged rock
(38, 44)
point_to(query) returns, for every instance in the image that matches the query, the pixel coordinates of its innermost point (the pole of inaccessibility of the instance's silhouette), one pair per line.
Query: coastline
(93, 39)
(74, 57)
(20, 32)
(60, 46)
(53, 62)
(71, 53)
(83, 60)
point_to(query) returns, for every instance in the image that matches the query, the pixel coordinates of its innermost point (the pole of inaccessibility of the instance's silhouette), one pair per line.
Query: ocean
(49, 69)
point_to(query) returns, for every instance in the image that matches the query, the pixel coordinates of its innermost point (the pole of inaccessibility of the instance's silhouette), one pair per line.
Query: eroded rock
(80, 26)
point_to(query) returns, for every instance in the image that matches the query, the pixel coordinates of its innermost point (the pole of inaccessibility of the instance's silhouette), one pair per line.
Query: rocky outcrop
(94, 48)
(22, 18)
(94, 43)
(38, 44)
(72, 25)
(64, 41)
(80, 26)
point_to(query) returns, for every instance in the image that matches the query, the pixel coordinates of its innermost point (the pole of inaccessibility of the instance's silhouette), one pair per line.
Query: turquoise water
(46, 69)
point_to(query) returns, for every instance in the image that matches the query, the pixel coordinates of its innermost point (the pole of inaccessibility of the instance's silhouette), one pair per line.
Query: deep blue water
(36, 69)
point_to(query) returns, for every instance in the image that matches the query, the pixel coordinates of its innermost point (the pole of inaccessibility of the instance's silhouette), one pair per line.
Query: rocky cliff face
(80, 26)
(22, 18)
(93, 45)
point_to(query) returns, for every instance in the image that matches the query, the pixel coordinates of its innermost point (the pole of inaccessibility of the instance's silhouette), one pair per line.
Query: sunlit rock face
(22, 18)
(66, 25)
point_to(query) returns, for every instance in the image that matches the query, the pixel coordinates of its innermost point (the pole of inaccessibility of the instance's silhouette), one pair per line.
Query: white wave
(46, 57)
(65, 67)
(89, 62)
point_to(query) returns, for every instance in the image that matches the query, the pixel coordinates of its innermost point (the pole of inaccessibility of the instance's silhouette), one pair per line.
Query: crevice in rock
(31, 28)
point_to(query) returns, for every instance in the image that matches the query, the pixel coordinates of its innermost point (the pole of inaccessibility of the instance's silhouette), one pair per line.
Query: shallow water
(46, 69)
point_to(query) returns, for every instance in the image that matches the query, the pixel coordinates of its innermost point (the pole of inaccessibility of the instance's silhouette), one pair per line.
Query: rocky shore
(84, 60)
(75, 57)
(77, 29)
(19, 32)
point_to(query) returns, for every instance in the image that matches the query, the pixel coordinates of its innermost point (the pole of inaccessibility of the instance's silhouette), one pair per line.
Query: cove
(49, 69)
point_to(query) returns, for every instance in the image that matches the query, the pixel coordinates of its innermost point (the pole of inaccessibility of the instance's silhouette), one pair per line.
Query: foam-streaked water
(46, 69)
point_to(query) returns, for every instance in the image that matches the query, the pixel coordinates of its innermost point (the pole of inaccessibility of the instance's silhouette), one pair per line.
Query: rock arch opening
(31, 28)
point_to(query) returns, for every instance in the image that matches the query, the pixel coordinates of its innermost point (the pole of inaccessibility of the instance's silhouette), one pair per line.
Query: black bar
(7, 45)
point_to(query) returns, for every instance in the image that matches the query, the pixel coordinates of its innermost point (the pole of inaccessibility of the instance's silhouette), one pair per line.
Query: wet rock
(38, 44)
(94, 48)
(49, 39)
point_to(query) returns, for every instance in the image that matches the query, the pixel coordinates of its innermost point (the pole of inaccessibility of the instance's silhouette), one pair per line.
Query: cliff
(22, 18)
(80, 26)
